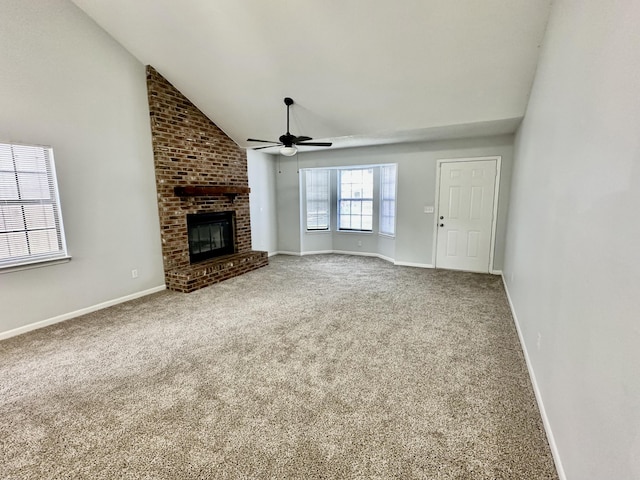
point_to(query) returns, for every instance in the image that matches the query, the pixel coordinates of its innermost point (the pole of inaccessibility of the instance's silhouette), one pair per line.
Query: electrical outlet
(359, 243)
(134, 273)
(539, 342)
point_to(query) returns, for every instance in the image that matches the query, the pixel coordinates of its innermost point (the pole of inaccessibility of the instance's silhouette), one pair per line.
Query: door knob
(442, 224)
(441, 217)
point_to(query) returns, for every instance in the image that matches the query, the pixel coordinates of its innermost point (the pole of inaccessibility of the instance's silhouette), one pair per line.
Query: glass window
(318, 204)
(30, 220)
(355, 199)
(388, 199)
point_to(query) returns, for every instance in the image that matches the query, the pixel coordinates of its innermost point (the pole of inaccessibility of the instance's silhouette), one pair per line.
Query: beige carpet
(315, 367)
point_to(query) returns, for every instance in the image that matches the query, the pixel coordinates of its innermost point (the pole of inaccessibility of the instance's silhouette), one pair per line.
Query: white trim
(271, 254)
(34, 264)
(536, 390)
(285, 252)
(495, 272)
(354, 232)
(365, 254)
(316, 252)
(386, 259)
(412, 264)
(340, 252)
(77, 313)
(496, 194)
(350, 167)
(359, 254)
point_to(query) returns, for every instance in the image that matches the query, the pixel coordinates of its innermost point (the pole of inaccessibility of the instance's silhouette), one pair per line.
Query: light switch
(429, 210)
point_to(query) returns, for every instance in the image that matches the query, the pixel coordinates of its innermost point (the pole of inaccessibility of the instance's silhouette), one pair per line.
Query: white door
(465, 214)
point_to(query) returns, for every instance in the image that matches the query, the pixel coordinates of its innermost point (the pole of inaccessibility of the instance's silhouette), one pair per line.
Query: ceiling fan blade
(302, 139)
(316, 144)
(267, 146)
(261, 141)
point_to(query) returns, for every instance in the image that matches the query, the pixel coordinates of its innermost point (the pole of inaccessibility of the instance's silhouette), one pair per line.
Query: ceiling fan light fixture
(288, 151)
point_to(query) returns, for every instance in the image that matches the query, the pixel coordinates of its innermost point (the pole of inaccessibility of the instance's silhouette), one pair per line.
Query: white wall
(572, 262)
(264, 214)
(417, 176)
(67, 84)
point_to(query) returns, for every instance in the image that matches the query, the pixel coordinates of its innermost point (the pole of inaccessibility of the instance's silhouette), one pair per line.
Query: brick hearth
(190, 150)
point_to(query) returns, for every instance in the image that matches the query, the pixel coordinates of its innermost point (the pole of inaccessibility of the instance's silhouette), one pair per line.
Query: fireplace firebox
(211, 235)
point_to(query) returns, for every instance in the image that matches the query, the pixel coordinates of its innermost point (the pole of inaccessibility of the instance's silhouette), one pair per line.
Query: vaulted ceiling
(361, 72)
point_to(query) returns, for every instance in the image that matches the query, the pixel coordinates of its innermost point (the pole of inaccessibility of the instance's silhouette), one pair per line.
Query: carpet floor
(327, 366)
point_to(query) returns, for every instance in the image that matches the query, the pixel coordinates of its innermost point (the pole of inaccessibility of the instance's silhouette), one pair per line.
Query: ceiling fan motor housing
(287, 139)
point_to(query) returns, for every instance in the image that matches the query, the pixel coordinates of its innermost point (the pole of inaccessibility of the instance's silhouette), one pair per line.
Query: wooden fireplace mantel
(203, 191)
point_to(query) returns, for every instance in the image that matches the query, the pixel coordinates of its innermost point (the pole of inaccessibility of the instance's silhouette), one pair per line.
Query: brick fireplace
(199, 170)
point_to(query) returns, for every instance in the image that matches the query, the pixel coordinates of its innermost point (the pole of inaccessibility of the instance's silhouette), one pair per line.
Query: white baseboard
(495, 272)
(284, 252)
(360, 254)
(412, 264)
(317, 252)
(543, 413)
(347, 252)
(386, 259)
(77, 313)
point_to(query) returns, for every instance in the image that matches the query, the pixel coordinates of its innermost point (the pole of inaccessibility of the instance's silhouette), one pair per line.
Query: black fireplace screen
(210, 235)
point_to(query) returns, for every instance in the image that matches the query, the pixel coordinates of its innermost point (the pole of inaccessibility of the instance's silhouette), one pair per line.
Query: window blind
(318, 203)
(30, 220)
(388, 199)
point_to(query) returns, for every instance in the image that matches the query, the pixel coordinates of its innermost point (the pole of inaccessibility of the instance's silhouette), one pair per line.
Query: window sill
(387, 235)
(316, 232)
(28, 265)
(356, 232)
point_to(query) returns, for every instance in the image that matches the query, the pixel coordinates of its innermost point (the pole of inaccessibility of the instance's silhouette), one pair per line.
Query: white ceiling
(361, 72)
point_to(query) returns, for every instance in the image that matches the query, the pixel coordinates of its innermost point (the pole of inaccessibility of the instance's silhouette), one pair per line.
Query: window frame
(384, 199)
(327, 200)
(361, 200)
(9, 199)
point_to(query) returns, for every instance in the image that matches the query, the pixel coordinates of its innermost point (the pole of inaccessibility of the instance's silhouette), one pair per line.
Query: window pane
(33, 186)
(6, 157)
(29, 159)
(11, 218)
(39, 216)
(43, 241)
(367, 184)
(8, 186)
(15, 244)
(356, 199)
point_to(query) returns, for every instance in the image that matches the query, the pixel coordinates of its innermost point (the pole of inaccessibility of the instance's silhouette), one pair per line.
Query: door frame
(496, 194)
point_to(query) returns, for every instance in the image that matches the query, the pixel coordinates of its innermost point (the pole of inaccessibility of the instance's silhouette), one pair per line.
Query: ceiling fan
(288, 141)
